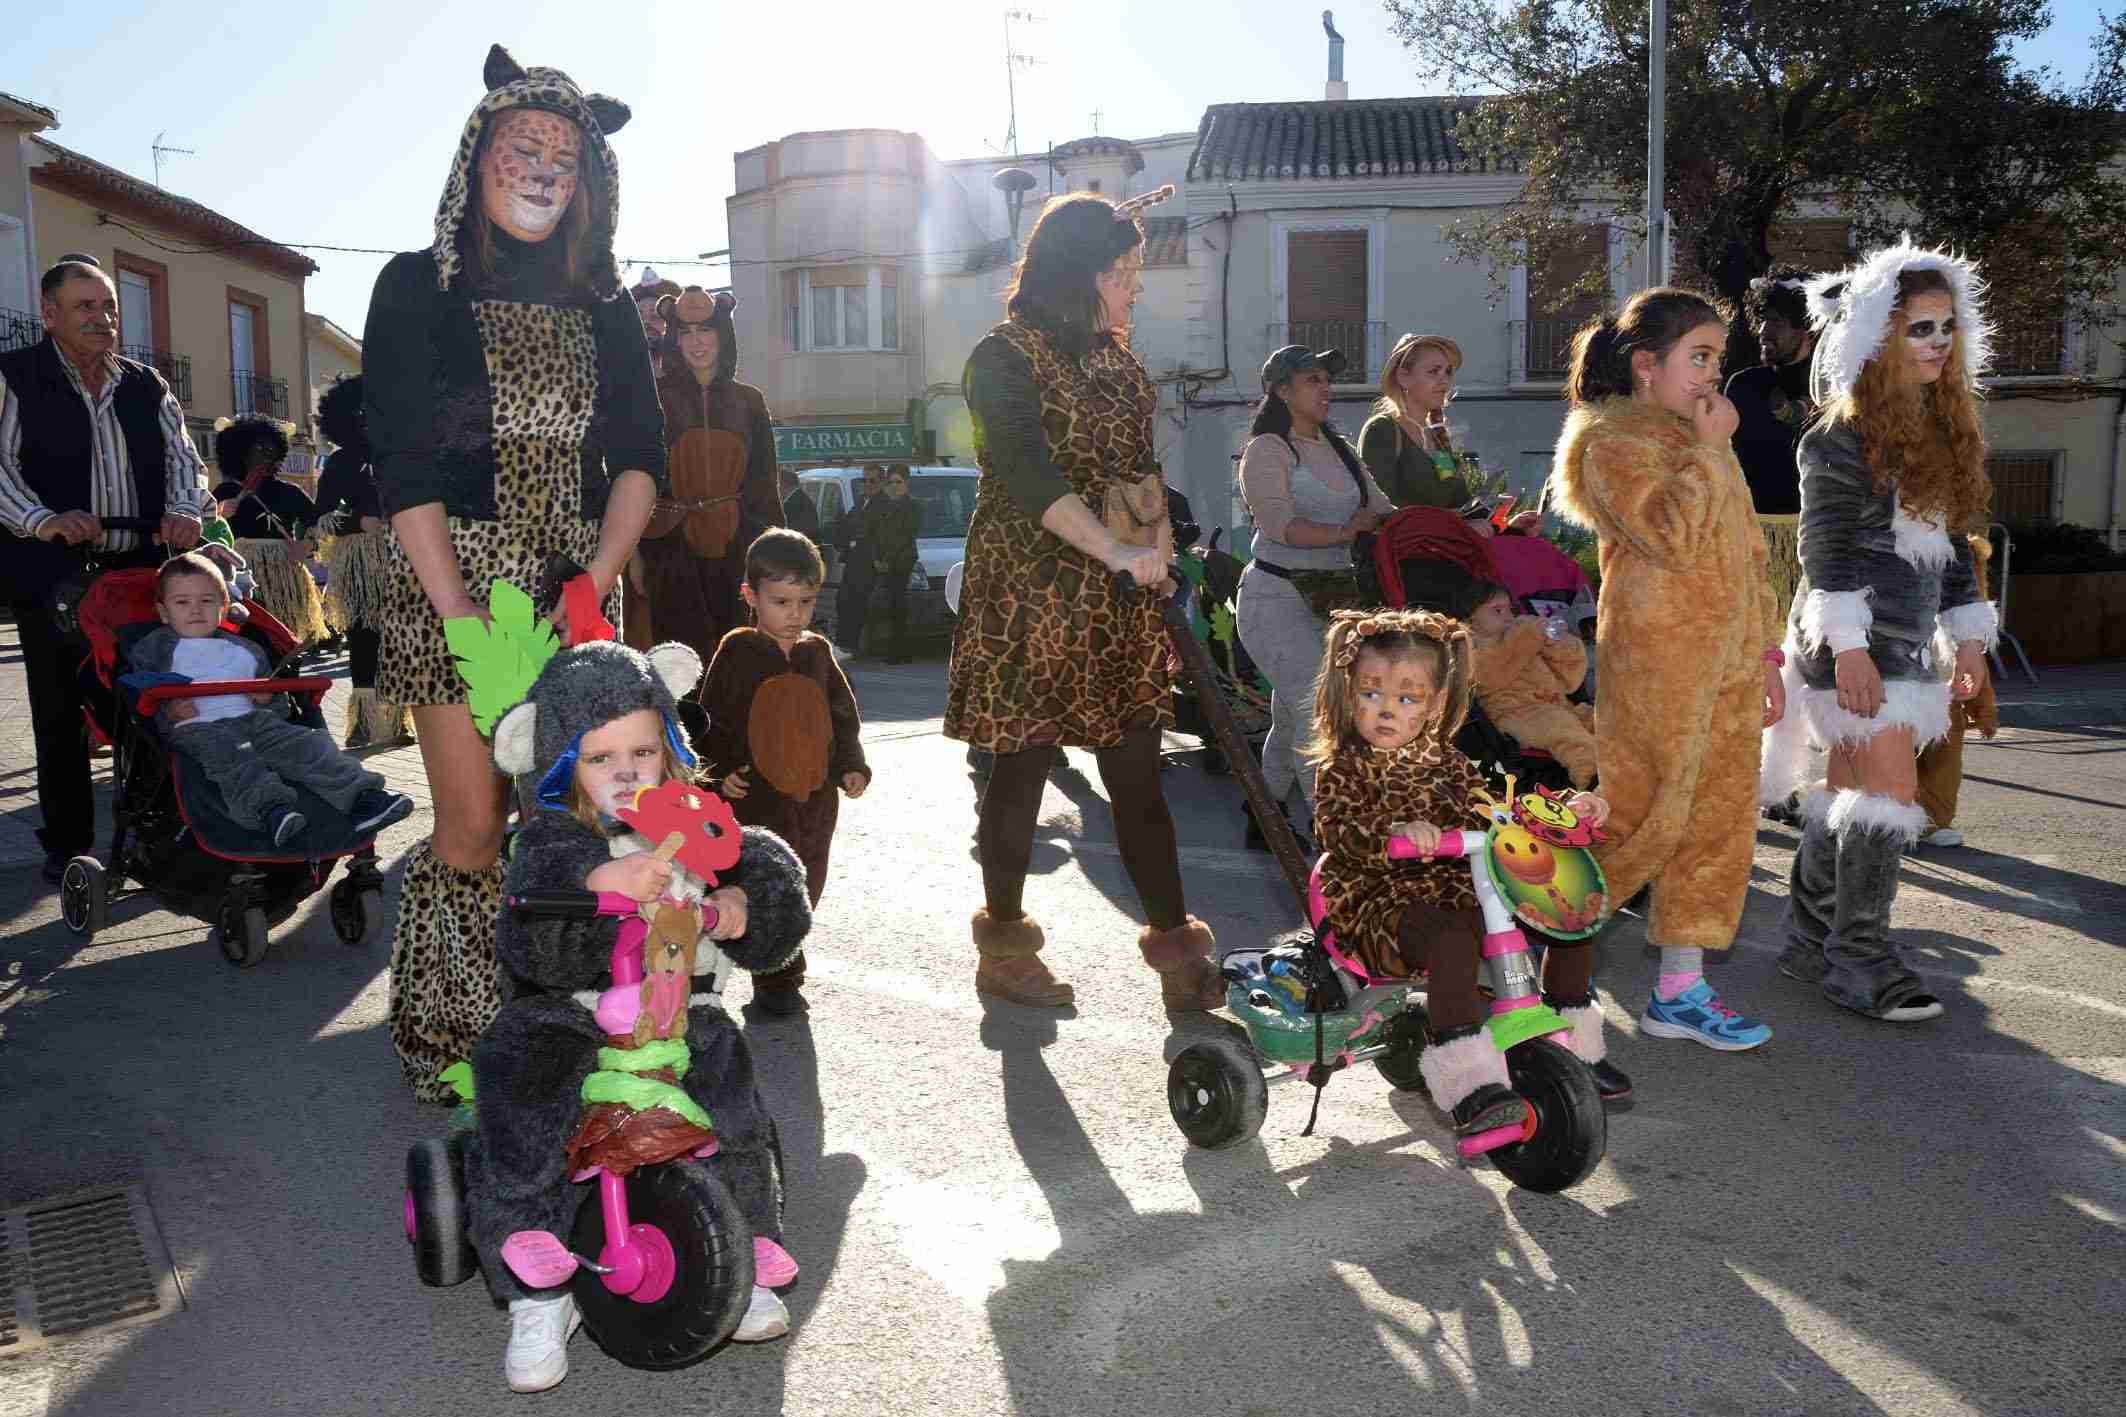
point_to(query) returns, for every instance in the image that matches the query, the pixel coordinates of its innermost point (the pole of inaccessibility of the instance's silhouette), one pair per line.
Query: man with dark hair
(84, 435)
(1773, 398)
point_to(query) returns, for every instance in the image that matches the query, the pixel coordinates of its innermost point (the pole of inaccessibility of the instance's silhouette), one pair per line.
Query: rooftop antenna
(159, 148)
(1013, 62)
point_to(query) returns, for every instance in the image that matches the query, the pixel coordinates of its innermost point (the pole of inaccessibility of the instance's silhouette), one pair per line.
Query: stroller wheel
(240, 934)
(84, 897)
(1217, 1093)
(350, 913)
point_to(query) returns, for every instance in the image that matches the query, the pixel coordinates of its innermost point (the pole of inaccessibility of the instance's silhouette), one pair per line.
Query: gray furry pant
(253, 759)
(528, 1072)
(1284, 638)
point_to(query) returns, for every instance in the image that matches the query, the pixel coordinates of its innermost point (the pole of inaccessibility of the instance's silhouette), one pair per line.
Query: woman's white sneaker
(539, 1331)
(765, 1318)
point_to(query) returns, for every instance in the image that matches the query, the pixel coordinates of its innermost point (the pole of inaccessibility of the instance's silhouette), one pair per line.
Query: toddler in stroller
(179, 828)
(1430, 558)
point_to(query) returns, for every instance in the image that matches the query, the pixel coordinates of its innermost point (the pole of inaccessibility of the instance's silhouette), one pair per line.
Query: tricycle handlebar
(1451, 844)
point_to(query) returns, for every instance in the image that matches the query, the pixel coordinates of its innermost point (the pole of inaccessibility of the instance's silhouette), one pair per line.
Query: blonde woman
(1405, 444)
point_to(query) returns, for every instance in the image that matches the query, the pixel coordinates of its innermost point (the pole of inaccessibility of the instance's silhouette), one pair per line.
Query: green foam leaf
(459, 1076)
(641, 1094)
(498, 659)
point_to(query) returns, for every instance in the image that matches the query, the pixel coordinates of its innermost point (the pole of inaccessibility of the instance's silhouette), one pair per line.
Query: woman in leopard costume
(1047, 652)
(513, 419)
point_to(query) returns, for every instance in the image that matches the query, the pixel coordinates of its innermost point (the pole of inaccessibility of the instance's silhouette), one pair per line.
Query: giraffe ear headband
(1451, 635)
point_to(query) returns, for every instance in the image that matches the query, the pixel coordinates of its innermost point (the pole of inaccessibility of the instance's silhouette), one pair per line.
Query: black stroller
(172, 834)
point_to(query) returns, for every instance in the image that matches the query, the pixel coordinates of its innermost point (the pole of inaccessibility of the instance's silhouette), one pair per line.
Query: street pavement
(995, 1214)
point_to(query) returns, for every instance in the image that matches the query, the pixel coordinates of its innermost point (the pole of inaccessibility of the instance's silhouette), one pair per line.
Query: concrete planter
(2069, 618)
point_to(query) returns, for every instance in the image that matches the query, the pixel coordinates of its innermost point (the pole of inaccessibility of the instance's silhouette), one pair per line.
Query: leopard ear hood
(512, 85)
(584, 688)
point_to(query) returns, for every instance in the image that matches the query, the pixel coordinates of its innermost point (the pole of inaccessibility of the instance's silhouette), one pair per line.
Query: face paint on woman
(1928, 326)
(528, 172)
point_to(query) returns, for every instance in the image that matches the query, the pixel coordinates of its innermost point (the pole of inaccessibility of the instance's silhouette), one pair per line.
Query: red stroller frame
(153, 841)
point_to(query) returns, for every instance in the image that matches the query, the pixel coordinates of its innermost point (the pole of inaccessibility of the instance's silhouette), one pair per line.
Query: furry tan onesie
(1686, 615)
(1522, 678)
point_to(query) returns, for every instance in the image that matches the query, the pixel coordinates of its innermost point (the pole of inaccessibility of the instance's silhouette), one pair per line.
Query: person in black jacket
(1772, 400)
(84, 435)
(514, 420)
(852, 603)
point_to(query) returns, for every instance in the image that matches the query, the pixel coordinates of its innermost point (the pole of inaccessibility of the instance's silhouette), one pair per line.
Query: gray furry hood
(584, 688)
(511, 85)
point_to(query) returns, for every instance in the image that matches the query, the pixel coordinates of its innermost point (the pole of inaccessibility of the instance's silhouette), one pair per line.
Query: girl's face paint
(528, 172)
(699, 346)
(1927, 324)
(616, 761)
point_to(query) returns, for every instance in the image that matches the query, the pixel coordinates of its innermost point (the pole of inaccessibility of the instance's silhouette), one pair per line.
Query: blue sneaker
(1698, 1014)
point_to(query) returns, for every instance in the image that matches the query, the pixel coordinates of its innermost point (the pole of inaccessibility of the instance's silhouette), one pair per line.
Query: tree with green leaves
(1892, 113)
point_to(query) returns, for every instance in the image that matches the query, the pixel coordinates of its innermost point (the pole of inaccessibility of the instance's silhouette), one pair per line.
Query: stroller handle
(144, 525)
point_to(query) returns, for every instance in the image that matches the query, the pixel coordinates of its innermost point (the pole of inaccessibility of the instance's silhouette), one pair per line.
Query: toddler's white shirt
(215, 658)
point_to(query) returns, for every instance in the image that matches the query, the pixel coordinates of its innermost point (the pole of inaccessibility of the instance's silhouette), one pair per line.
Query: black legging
(362, 643)
(1144, 828)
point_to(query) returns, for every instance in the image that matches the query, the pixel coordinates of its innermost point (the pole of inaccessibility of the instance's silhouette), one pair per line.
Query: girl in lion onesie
(1688, 636)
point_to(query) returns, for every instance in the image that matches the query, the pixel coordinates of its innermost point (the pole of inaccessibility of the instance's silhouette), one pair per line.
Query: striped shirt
(111, 491)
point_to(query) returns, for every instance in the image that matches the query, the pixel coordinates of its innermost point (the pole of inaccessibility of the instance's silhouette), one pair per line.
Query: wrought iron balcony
(1542, 349)
(255, 393)
(175, 368)
(1361, 341)
(18, 331)
(2030, 347)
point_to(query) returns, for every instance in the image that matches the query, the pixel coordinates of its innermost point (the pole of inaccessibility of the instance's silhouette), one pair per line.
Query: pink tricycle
(661, 1259)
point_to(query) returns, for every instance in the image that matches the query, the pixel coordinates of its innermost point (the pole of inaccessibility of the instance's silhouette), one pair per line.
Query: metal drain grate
(80, 1262)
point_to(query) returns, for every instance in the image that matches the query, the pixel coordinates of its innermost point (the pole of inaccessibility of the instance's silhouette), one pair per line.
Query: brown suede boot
(1011, 965)
(1189, 981)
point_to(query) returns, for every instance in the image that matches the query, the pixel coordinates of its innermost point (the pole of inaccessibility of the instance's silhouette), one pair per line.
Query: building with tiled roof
(1320, 222)
(213, 305)
(1384, 137)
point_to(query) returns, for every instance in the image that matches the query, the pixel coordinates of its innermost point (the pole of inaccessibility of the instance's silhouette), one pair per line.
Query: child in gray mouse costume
(600, 723)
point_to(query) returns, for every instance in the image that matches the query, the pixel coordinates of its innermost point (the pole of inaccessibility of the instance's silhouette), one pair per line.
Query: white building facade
(866, 269)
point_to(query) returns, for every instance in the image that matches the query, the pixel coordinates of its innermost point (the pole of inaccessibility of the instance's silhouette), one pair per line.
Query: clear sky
(335, 123)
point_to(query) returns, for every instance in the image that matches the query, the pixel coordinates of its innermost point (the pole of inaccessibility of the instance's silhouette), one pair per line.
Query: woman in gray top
(1895, 464)
(1310, 498)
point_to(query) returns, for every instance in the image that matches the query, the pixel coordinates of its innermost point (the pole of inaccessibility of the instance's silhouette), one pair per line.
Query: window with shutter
(1557, 306)
(1325, 291)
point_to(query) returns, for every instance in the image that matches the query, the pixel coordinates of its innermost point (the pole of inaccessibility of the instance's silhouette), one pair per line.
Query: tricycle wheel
(1217, 1093)
(437, 1222)
(1571, 1130)
(350, 913)
(1406, 1044)
(240, 934)
(714, 1246)
(84, 896)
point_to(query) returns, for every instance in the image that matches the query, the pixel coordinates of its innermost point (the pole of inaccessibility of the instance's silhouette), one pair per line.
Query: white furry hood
(1851, 312)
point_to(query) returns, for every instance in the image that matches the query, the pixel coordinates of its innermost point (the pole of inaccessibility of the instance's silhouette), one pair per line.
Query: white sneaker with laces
(1941, 836)
(765, 1318)
(539, 1331)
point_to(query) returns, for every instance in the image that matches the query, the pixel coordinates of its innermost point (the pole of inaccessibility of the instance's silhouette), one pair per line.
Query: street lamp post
(1656, 141)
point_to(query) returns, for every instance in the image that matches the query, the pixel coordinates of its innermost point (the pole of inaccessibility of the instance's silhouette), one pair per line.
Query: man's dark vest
(58, 449)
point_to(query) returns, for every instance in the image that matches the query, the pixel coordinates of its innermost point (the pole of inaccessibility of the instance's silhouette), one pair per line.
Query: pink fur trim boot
(1182, 957)
(1011, 965)
(1466, 1074)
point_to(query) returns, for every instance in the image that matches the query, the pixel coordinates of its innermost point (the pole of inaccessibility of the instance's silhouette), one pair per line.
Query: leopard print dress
(1045, 650)
(1359, 793)
(542, 368)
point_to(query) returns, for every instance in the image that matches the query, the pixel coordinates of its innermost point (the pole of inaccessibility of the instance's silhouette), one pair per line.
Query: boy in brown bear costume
(1688, 636)
(783, 724)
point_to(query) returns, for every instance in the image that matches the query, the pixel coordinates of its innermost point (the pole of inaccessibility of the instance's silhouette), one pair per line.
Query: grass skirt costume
(359, 581)
(1878, 578)
(512, 398)
(529, 1066)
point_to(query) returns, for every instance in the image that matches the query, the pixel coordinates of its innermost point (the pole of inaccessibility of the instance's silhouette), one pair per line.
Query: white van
(945, 498)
